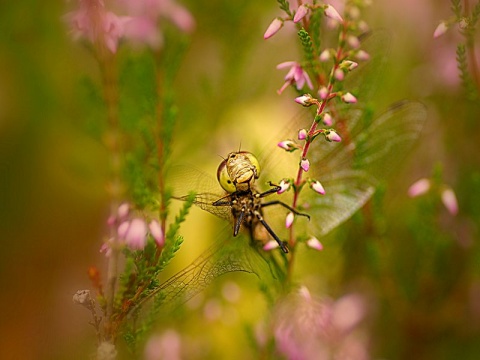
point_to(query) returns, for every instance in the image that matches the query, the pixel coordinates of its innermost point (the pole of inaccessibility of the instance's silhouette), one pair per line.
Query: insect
(243, 204)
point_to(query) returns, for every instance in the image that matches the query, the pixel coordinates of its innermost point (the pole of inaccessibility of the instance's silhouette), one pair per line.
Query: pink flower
(144, 30)
(331, 135)
(273, 28)
(348, 64)
(339, 74)
(332, 13)
(284, 186)
(440, 30)
(323, 92)
(314, 243)
(136, 234)
(296, 75)
(349, 98)
(302, 11)
(327, 119)
(362, 55)
(419, 187)
(304, 100)
(325, 55)
(270, 245)
(289, 220)
(157, 233)
(167, 345)
(450, 201)
(288, 145)
(302, 134)
(91, 21)
(305, 164)
(317, 187)
(353, 42)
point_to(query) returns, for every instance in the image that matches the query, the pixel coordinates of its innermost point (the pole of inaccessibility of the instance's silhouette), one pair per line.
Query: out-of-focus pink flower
(353, 42)
(288, 145)
(327, 119)
(419, 187)
(332, 13)
(349, 98)
(136, 235)
(440, 30)
(317, 187)
(339, 74)
(166, 346)
(312, 329)
(305, 100)
(450, 200)
(144, 30)
(270, 245)
(289, 220)
(348, 64)
(362, 55)
(305, 164)
(323, 93)
(325, 55)
(93, 22)
(314, 243)
(273, 28)
(296, 75)
(156, 232)
(302, 11)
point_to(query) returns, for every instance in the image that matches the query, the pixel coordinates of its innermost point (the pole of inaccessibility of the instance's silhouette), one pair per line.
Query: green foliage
(308, 49)
(467, 81)
(285, 6)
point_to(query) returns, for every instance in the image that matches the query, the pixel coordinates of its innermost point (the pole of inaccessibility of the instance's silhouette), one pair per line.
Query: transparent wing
(225, 256)
(350, 170)
(185, 179)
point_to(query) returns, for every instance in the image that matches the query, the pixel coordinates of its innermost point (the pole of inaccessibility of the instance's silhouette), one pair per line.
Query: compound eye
(224, 179)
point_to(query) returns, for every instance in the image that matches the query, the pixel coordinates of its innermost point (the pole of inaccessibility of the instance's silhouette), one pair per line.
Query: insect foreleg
(270, 231)
(278, 202)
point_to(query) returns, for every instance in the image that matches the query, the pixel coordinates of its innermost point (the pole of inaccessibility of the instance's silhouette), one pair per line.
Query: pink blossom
(156, 232)
(284, 186)
(339, 74)
(136, 235)
(419, 187)
(317, 187)
(305, 164)
(349, 98)
(305, 100)
(288, 145)
(144, 30)
(270, 245)
(450, 201)
(349, 65)
(327, 119)
(166, 346)
(325, 55)
(323, 92)
(289, 220)
(331, 135)
(296, 75)
(314, 243)
(332, 13)
(362, 55)
(440, 30)
(91, 21)
(273, 28)
(353, 42)
(302, 134)
(302, 11)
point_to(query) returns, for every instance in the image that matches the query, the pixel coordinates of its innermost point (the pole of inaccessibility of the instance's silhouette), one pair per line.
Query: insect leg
(270, 231)
(278, 202)
(274, 189)
(238, 222)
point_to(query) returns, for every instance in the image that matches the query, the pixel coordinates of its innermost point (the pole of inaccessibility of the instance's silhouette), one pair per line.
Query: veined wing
(351, 170)
(186, 179)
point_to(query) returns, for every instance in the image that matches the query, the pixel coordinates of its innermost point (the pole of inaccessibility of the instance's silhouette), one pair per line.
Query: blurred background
(418, 264)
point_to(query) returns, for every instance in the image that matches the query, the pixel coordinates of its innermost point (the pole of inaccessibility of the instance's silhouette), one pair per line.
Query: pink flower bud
(331, 135)
(284, 185)
(325, 55)
(419, 187)
(327, 119)
(123, 229)
(332, 13)
(136, 237)
(314, 243)
(273, 28)
(353, 42)
(302, 134)
(289, 220)
(305, 100)
(288, 145)
(300, 14)
(123, 210)
(450, 201)
(305, 164)
(362, 55)
(349, 98)
(339, 74)
(349, 65)
(156, 232)
(440, 30)
(317, 187)
(270, 245)
(323, 92)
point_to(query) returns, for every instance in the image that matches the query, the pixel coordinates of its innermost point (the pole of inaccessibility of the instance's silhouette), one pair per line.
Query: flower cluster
(140, 24)
(132, 231)
(447, 195)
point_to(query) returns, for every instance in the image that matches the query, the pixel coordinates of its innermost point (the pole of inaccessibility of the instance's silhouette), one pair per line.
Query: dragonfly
(350, 171)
